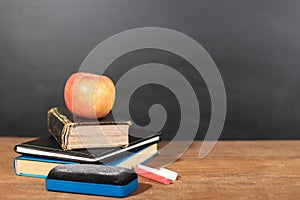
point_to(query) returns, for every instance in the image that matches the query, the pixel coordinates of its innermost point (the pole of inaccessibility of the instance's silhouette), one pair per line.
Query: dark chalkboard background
(255, 44)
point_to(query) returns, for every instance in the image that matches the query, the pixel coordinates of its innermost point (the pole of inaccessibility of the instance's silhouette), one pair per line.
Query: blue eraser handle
(92, 179)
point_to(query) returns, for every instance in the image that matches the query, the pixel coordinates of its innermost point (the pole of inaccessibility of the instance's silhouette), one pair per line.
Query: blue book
(39, 167)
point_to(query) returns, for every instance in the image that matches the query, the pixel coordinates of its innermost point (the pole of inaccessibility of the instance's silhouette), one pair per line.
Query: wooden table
(233, 170)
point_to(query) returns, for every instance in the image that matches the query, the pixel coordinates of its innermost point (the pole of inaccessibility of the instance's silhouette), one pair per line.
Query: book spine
(58, 127)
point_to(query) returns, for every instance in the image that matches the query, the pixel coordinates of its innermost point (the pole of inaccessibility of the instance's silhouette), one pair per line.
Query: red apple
(89, 95)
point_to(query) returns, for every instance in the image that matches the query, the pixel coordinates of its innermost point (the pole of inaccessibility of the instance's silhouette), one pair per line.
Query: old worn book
(39, 167)
(86, 133)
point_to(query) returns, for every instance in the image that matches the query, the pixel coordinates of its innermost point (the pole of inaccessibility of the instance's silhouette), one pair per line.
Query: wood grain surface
(233, 170)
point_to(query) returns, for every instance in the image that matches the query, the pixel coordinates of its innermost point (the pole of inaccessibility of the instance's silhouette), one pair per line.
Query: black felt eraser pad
(92, 179)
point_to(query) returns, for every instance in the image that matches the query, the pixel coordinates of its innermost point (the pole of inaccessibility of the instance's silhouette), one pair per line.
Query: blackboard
(255, 45)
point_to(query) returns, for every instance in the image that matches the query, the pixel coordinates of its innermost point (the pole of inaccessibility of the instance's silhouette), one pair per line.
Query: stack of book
(102, 141)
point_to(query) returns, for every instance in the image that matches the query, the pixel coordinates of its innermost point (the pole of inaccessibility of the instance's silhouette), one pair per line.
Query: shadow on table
(143, 187)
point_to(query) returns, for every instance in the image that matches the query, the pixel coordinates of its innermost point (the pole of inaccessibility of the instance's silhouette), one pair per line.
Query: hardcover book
(49, 148)
(39, 167)
(86, 133)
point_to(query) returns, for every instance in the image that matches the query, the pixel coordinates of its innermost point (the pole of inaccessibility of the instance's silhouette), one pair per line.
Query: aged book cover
(86, 133)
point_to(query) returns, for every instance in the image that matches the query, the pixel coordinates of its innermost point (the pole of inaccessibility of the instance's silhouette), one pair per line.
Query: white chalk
(161, 172)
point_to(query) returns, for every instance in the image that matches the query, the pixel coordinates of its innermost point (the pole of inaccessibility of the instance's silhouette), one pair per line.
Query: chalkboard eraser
(92, 179)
